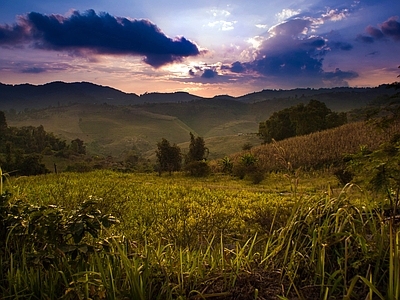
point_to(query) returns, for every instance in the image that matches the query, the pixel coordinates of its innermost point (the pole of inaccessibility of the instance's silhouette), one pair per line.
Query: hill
(27, 96)
(113, 123)
(115, 130)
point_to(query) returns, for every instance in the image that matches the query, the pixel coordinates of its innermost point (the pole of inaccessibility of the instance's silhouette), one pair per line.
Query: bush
(249, 168)
(198, 169)
(79, 167)
(256, 176)
(45, 234)
(344, 176)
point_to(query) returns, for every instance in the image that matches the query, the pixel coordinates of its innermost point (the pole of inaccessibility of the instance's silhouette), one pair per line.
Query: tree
(31, 165)
(169, 157)
(197, 149)
(3, 122)
(3, 128)
(300, 120)
(195, 162)
(78, 146)
(278, 126)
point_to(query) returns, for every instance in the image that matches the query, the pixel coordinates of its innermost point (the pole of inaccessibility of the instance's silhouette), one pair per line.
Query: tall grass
(320, 149)
(313, 245)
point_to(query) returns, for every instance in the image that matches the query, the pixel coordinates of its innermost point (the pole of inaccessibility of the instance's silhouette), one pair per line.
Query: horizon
(193, 94)
(225, 48)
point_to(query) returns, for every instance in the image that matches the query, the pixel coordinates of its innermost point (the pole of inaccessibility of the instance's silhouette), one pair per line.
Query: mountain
(27, 96)
(113, 123)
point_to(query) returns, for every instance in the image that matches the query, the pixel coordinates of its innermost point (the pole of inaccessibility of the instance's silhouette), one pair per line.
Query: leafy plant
(47, 233)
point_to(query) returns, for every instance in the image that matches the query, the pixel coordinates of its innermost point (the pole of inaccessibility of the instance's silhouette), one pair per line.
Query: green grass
(184, 238)
(112, 130)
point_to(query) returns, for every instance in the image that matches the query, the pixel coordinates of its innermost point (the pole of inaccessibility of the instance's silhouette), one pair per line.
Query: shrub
(198, 168)
(45, 234)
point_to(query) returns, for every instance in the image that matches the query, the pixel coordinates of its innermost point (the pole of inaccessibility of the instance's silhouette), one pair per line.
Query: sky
(206, 48)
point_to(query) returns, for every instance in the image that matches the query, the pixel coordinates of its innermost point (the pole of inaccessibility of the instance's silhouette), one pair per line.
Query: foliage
(319, 150)
(46, 233)
(226, 164)
(384, 113)
(184, 238)
(197, 149)
(21, 149)
(248, 167)
(195, 159)
(198, 168)
(3, 123)
(300, 120)
(77, 146)
(330, 244)
(169, 158)
(247, 146)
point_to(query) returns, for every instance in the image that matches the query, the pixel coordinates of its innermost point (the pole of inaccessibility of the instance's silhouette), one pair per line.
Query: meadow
(110, 235)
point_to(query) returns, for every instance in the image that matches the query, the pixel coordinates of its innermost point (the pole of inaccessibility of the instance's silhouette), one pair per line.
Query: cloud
(341, 45)
(90, 33)
(288, 51)
(389, 29)
(33, 70)
(335, 15)
(374, 32)
(237, 67)
(293, 51)
(339, 77)
(287, 13)
(209, 73)
(223, 25)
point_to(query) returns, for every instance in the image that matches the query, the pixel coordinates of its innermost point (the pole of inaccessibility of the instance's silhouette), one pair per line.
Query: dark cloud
(15, 34)
(341, 45)
(98, 34)
(237, 67)
(287, 52)
(209, 73)
(338, 77)
(290, 53)
(365, 39)
(390, 29)
(374, 32)
(33, 70)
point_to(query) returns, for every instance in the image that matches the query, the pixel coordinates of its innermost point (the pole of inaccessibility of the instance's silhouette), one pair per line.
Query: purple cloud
(33, 70)
(339, 77)
(390, 28)
(374, 32)
(98, 34)
(289, 52)
(209, 73)
(341, 45)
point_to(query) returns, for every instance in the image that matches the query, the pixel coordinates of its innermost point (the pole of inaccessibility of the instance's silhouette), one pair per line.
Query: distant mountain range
(112, 122)
(22, 96)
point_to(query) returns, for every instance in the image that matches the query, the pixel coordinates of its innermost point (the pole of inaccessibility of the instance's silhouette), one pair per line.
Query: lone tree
(197, 149)
(169, 157)
(195, 162)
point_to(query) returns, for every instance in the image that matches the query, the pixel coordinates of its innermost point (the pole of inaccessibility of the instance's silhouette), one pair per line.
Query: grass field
(113, 130)
(184, 238)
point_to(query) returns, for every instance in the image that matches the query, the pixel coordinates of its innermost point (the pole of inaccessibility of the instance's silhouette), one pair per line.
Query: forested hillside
(112, 123)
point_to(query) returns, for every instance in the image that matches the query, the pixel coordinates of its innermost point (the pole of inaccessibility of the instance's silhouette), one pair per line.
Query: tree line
(21, 149)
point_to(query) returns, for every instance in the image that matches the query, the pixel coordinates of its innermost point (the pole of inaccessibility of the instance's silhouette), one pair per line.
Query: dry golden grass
(320, 149)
